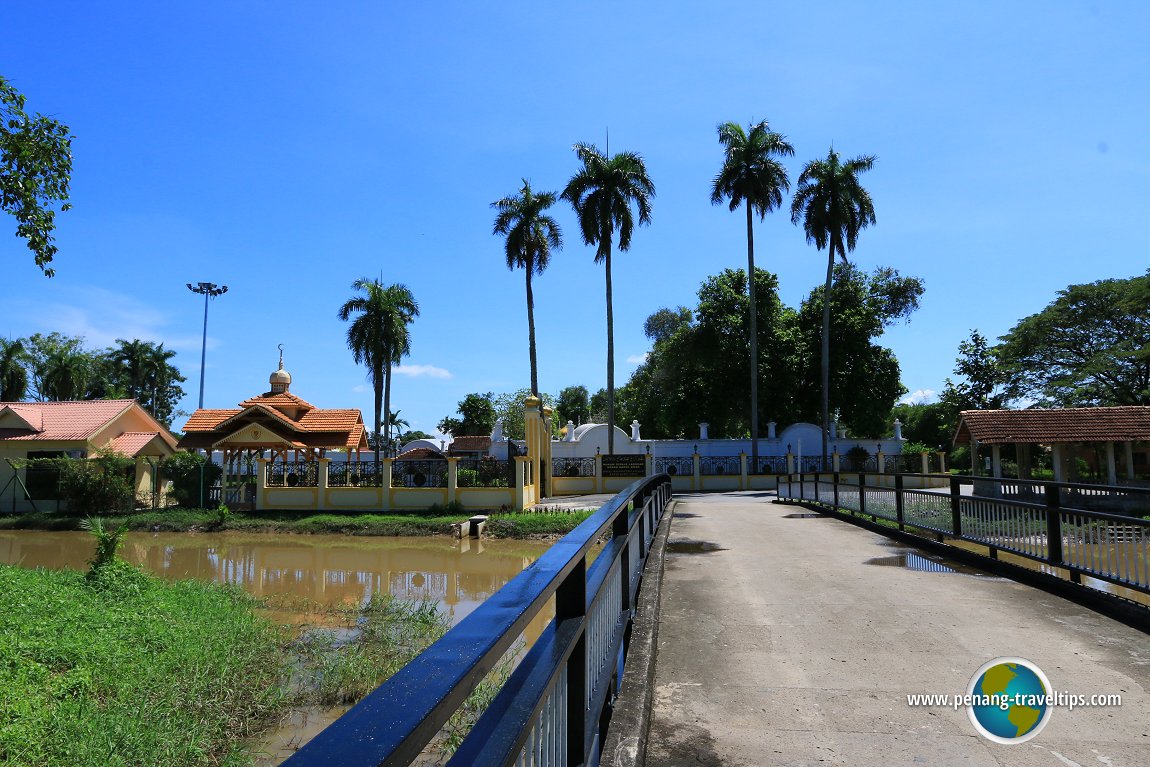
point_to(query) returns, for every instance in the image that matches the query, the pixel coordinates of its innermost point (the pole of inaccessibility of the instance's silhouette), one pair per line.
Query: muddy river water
(301, 569)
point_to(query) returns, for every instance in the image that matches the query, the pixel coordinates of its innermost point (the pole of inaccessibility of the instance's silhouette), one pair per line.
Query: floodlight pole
(207, 290)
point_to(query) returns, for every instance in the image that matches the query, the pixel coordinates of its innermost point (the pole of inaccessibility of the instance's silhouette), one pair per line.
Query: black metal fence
(1053, 523)
(772, 464)
(293, 474)
(419, 473)
(681, 467)
(720, 465)
(485, 472)
(572, 467)
(552, 709)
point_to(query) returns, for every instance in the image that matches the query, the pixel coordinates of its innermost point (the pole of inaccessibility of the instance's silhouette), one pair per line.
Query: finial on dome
(280, 379)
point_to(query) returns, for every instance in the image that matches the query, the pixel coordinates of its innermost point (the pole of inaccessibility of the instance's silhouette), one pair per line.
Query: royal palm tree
(531, 234)
(13, 374)
(66, 375)
(379, 337)
(751, 175)
(602, 193)
(833, 207)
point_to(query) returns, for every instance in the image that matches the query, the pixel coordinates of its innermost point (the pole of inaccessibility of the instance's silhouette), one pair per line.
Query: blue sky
(286, 149)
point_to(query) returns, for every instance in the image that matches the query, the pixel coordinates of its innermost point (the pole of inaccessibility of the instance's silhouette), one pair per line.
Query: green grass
(526, 524)
(124, 669)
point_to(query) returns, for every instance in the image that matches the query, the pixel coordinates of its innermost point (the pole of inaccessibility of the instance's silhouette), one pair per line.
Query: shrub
(914, 448)
(183, 469)
(468, 478)
(102, 484)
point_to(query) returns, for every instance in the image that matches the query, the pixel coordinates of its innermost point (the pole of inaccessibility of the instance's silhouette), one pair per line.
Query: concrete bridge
(729, 629)
(782, 640)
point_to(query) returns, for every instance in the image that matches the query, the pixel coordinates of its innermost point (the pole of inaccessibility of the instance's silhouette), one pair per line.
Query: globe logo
(1011, 700)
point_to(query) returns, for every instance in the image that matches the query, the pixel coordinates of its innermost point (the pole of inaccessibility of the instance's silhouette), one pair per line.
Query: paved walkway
(785, 647)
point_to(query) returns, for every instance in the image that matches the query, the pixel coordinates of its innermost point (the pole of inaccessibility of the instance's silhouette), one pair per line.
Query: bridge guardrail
(1031, 519)
(551, 709)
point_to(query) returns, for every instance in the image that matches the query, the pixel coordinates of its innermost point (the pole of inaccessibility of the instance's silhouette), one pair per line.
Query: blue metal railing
(551, 708)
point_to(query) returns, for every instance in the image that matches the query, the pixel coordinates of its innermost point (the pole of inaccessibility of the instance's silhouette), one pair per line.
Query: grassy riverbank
(132, 671)
(525, 524)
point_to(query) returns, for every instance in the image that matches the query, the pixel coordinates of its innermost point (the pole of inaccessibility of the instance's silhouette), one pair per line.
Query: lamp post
(207, 290)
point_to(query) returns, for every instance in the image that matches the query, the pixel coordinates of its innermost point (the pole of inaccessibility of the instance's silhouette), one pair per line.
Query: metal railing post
(956, 506)
(835, 481)
(898, 500)
(1053, 524)
(862, 493)
(802, 486)
(571, 604)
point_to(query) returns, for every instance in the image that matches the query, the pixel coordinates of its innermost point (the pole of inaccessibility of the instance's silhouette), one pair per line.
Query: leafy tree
(752, 175)
(141, 370)
(985, 381)
(67, 375)
(477, 417)
(694, 373)
(35, 169)
(597, 407)
(833, 207)
(663, 323)
(40, 350)
(1090, 346)
(98, 485)
(192, 476)
(865, 380)
(574, 405)
(379, 337)
(602, 193)
(414, 434)
(509, 409)
(13, 374)
(926, 423)
(531, 234)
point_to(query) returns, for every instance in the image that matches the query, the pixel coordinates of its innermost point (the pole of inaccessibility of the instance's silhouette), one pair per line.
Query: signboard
(624, 465)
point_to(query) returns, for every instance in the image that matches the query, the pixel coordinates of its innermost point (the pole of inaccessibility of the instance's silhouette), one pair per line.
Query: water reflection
(324, 569)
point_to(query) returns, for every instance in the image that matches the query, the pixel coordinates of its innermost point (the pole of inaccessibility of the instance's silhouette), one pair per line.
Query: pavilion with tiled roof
(276, 423)
(1061, 429)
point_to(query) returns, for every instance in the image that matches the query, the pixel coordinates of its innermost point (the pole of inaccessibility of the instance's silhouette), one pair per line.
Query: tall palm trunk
(827, 347)
(387, 403)
(531, 330)
(378, 408)
(610, 357)
(754, 341)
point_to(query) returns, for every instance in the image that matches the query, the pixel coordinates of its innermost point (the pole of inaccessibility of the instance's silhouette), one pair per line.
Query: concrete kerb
(1122, 610)
(626, 743)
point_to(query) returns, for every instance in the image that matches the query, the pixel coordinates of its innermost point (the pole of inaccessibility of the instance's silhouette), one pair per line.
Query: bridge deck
(785, 647)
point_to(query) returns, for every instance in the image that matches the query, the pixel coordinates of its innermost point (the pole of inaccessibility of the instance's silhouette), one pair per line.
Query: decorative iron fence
(485, 472)
(773, 464)
(293, 474)
(1027, 518)
(718, 465)
(554, 708)
(681, 467)
(572, 467)
(809, 463)
(419, 473)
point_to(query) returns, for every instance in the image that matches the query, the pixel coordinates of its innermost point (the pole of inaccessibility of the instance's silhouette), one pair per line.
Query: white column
(703, 427)
(996, 461)
(1111, 465)
(1129, 460)
(1056, 454)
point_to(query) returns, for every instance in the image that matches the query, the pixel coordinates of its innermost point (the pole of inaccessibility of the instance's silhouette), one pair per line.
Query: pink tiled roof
(419, 453)
(64, 421)
(132, 442)
(278, 400)
(469, 444)
(1081, 424)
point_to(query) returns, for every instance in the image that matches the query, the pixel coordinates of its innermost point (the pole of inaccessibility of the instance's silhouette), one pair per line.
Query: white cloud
(638, 359)
(919, 397)
(416, 371)
(361, 388)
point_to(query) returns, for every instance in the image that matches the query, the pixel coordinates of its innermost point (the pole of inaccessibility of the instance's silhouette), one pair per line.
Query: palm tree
(531, 234)
(379, 337)
(66, 375)
(602, 193)
(751, 175)
(834, 207)
(13, 374)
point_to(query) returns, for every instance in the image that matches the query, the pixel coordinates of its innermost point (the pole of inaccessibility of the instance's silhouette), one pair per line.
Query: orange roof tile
(469, 444)
(1083, 424)
(132, 442)
(330, 420)
(419, 453)
(64, 421)
(207, 419)
(277, 400)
